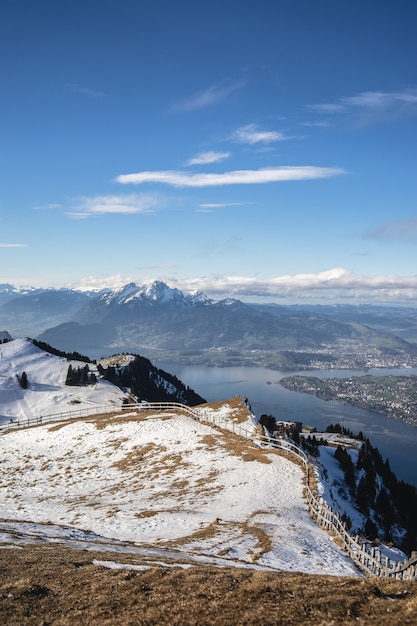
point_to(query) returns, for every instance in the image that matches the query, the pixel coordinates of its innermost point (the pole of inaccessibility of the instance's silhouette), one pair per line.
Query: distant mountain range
(164, 323)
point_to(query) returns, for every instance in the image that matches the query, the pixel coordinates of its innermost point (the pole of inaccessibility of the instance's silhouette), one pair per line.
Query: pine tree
(23, 381)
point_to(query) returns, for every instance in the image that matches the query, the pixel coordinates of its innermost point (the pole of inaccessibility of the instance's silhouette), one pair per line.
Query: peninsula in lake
(395, 396)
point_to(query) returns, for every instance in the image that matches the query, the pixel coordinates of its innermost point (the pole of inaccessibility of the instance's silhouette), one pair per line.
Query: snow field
(166, 482)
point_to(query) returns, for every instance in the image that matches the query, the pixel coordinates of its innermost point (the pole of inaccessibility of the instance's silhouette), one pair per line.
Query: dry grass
(237, 446)
(137, 456)
(62, 587)
(53, 585)
(240, 409)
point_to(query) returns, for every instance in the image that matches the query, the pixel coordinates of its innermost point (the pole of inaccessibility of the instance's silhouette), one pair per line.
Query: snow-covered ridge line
(368, 559)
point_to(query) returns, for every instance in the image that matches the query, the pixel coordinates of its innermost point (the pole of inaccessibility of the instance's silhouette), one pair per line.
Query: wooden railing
(368, 558)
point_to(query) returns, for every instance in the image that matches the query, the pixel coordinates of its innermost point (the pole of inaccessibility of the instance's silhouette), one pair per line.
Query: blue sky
(263, 150)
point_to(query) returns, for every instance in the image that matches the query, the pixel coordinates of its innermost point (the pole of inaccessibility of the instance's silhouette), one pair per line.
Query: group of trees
(80, 376)
(150, 383)
(74, 356)
(386, 502)
(312, 445)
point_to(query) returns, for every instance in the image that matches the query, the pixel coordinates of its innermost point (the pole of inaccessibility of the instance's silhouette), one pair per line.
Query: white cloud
(208, 157)
(219, 205)
(238, 177)
(47, 207)
(252, 134)
(333, 285)
(337, 284)
(13, 245)
(210, 96)
(119, 204)
(97, 283)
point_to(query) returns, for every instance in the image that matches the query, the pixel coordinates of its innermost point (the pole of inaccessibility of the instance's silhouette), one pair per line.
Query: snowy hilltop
(46, 392)
(35, 382)
(167, 484)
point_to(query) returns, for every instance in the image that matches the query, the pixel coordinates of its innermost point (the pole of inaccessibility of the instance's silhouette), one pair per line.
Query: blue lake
(395, 439)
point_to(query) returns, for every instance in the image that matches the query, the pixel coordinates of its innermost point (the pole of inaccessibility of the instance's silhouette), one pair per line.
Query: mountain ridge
(163, 322)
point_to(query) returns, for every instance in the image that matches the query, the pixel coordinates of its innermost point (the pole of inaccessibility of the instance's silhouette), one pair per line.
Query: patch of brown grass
(240, 410)
(137, 456)
(61, 586)
(235, 444)
(148, 513)
(264, 541)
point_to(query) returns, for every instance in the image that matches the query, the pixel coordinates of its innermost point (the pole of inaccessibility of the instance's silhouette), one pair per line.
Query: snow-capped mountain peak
(151, 294)
(159, 291)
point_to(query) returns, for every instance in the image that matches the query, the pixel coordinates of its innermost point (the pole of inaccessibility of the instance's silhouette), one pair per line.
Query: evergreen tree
(370, 530)
(23, 381)
(362, 496)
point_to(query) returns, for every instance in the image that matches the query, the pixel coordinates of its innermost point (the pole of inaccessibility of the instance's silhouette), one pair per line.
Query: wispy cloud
(400, 230)
(13, 245)
(237, 177)
(117, 204)
(84, 90)
(315, 124)
(219, 205)
(378, 105)
(372, 99)
(47, 207)
(252, 134)
(210, 96)
(208, 207)
(208, 157)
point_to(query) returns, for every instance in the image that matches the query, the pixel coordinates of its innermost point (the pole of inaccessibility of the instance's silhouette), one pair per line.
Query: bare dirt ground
(53, 585)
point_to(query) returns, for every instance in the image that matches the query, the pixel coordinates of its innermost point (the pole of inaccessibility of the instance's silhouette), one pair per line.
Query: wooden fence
(368, 558)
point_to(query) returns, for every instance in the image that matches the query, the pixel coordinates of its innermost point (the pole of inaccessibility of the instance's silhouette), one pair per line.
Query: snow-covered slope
(164, 482)
(47, 392)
